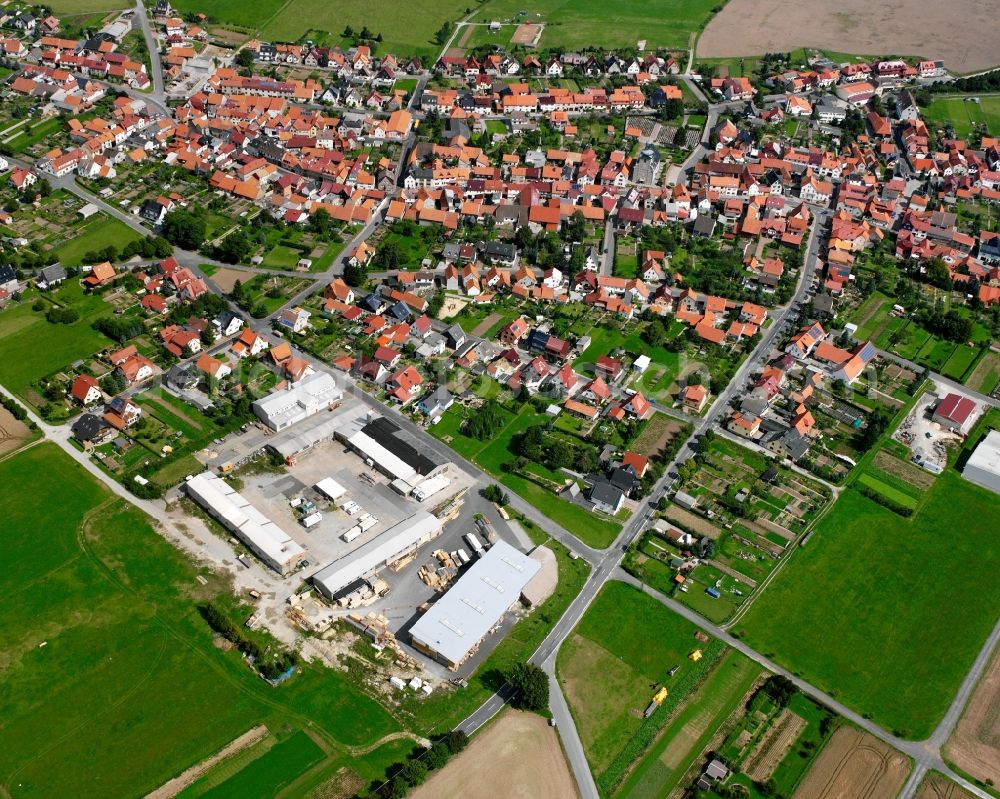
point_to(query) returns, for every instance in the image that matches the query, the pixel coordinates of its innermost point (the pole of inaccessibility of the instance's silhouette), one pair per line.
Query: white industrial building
(389, 546)
(312, 394)
(264, 538)
(474, 605)
(330, 489)
(983, 466)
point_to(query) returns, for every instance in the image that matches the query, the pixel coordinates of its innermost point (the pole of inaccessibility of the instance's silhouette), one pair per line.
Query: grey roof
(602, 491)
(473, 606)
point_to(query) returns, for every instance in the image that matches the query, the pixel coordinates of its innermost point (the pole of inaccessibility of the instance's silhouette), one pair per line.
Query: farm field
(96, 234)
(960, 33)
(247, 15)
(986, 376)
(68, 8)
(31, 347)
(962, 113)
(689, 731)
(13, 432)
(126, 655)
(935, 786)
(516, 756)
(864, 634)
(407, 29)
(579, 23)
(975, 744)
(611, 664)
(854, 763)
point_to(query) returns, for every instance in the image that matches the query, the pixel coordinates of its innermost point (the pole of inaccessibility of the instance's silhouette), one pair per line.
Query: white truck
(474, 543)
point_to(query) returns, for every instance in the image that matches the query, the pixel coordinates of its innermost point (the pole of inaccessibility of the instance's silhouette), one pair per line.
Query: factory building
(394, 453)
(983, 466)
(283, 408)
(261, 535)
(475, 604)
(389, 546)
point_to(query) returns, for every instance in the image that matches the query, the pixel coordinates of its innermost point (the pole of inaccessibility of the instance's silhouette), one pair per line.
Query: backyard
(869, 634)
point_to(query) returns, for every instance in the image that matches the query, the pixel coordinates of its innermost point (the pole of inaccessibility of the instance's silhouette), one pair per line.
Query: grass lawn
(39, 130)
(603, 340)
(128, 663)
(407, 29)
(591, 528)
(266, 775)
(961, 359)
(97, 233)
(609, 667)
(248, 15)
(963, 114)
(31, 347)
(888, 491)
(281, 257)
(581, 23)
(873, 635)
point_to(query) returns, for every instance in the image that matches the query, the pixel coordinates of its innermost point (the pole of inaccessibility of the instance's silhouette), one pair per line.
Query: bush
(885, 502)
(62, 316)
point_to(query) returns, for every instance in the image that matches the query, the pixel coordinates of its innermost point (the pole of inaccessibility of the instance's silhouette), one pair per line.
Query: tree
(244, 58)
(673, 109)
(348, 32)
(414, 772)
(184, 229)
(355, 274)
(493, 493)
(531, 687)
(236, 247)
(437, 756)
(780, 689)
(443, 34)
(680, 137)
(389, 255)
(457, 741)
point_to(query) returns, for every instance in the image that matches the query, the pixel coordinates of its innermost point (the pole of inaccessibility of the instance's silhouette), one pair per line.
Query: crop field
(689, 731)
(407, 29)
(891, 492)
(104, 652)
(975, 744)
(518, 755)
(855, 764)
(610, 666)
(13, 432)
(580, 23)
(31, 347)
(986, 376)
(959, 33)
(234, 12)
(74, 8)
(962, 113)
(961, 359)
(866, 633)
(935, 786)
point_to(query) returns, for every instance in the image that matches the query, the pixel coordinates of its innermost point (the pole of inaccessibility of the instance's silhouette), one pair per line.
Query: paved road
(924, 753)
(607, 566)
(978, 397)
(157, 94)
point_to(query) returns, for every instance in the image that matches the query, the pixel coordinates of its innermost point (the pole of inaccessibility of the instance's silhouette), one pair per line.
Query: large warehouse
(312, 394)
(264, 538)
(393, 452)
(983, 467)
(390, 545)
(459, 620)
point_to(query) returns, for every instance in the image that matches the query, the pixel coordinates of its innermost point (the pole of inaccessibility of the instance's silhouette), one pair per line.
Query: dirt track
(855, 765)
(962, 32)
(517, 757)
(975, 744)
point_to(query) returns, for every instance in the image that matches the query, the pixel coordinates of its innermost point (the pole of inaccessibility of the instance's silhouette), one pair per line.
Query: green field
(582, 23)
(963, 114)
(888, 491)
(98, 232)
(266, 775)
(31, 347)
(282, 257)
(690, 731)
(858, 611)
(625, 644)
(591, 528)
(105, 653)
(247, 15)
(74, 8)
(406, 28)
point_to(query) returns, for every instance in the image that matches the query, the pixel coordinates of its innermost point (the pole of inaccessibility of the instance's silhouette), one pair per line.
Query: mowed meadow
(109, 679)
(886, 613)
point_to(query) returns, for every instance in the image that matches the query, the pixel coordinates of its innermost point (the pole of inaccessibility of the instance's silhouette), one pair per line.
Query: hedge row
(884, 501)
